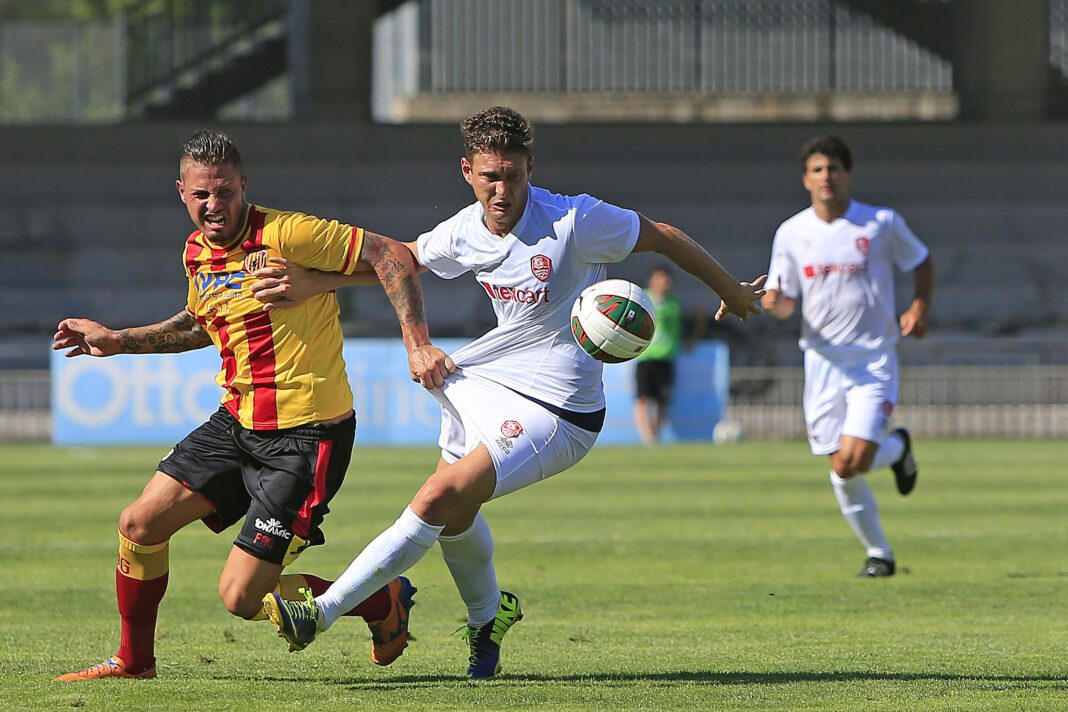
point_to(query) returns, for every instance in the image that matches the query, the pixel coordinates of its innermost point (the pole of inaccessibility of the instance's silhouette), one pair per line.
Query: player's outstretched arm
(738, 298)
(283, 284)
(914, 320)
(398, 271)
(83, 336)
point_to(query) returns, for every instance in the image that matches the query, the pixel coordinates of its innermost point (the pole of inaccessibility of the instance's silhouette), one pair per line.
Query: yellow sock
(288, 585)
(143, 562)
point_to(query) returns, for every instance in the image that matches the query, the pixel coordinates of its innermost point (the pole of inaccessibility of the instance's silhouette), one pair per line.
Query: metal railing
(938, 401)
(165, 38)
(666, 47)
(1058, 35)
(25, 414)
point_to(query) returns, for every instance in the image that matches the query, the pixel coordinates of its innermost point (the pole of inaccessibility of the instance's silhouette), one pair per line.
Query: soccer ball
(613, 320)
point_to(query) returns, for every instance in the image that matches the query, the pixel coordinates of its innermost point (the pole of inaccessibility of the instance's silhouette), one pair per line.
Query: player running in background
(277, 449)
(525, 402)
(838, 256)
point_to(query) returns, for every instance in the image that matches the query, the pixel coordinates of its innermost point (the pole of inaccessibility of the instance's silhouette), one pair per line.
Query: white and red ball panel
(613, 320)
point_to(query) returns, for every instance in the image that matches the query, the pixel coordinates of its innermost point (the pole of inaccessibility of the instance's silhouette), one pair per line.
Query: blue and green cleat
(297, 621)
(485, 640)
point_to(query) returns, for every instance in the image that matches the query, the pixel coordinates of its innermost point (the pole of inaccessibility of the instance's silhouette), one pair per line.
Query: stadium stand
(91, 218)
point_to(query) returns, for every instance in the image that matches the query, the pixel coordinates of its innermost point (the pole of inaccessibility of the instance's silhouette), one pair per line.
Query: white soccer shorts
(854, 397)
(527, 443)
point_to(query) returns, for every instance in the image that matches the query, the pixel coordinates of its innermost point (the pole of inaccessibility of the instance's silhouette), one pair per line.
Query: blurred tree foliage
(60, 9)
(53, 10)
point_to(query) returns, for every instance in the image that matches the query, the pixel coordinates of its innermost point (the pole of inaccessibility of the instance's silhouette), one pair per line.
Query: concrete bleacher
(93, 223)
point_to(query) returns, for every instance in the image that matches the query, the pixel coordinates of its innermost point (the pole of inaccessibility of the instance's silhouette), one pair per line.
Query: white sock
(889, 452)
(857, 503)
(469, 557)
(392, 552)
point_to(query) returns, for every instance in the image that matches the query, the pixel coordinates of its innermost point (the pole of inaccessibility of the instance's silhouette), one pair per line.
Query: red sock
(373, 608)
(140, 582)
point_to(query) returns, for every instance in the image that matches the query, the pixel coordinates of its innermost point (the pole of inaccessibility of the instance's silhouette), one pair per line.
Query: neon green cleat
(485, 640)
(297, 621)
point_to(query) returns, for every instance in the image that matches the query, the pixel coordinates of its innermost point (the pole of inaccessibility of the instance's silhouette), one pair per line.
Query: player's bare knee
(843, 467)
(862, 464)
(239, 601)
(439, 500)
(435, 492)
(136, 525)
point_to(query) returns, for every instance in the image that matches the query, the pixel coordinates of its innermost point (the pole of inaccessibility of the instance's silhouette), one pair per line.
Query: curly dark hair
(497, 129)
(830, 146)
(211, 148)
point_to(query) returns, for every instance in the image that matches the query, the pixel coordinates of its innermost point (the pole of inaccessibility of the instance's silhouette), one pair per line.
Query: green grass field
(676, 578)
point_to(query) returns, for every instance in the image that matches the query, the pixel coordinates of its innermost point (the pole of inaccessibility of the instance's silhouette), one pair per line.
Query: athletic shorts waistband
(592, 421)
(307, 431)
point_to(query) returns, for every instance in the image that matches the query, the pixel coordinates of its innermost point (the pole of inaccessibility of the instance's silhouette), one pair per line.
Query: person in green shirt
(655, 373)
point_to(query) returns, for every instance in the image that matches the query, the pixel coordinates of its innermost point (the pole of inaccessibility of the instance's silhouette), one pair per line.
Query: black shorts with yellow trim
(280, 481)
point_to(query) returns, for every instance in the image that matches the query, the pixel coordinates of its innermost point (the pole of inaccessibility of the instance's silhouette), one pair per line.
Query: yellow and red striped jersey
(281, 368)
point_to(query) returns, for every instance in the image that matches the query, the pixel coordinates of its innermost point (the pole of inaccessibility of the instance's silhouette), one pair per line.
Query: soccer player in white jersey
(838, 256)
(524, 401)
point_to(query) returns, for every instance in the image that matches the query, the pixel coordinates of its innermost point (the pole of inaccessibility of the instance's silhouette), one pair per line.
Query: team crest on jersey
(511, 429)
(255, 260)
(888, 408)
(541, 266)
(863, 245)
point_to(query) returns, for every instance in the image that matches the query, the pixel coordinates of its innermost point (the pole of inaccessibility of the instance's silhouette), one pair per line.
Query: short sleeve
(437, 250)
(782, 272)
(191, 296)
(604, 233)
(908, 251)
(312, 242)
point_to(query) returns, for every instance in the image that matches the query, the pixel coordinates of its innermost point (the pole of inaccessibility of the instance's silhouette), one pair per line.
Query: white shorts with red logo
(854, 398)
(527, 443)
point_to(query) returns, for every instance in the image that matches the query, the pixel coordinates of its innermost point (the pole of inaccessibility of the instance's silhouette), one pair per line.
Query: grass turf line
(686, 577)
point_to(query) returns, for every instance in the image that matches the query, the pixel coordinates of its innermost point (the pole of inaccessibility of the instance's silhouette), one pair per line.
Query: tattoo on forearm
(396, 272)
(179, 333)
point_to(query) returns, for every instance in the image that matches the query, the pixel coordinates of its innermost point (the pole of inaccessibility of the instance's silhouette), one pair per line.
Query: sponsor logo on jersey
(863, 245)
(255, 260)
(515, 294)
(274, 527)
(207, 282)
(511, 429)
(811, 271)
(541, 266)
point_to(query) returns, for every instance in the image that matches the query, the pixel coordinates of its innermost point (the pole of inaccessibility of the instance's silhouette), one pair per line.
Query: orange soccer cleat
(112, 667)
(389, 636)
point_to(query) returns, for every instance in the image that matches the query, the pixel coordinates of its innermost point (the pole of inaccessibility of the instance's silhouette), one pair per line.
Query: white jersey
(844, 273)
(532, 276)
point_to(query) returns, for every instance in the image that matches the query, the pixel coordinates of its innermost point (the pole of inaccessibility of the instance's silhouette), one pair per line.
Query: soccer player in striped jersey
(276, 451)
(525, 402)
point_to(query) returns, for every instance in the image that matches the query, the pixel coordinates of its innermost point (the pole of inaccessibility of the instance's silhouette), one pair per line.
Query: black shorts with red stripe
(280, 481)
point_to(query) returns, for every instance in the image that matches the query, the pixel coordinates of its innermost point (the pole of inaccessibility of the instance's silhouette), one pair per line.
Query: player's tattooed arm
(398, 271)
(181, 332)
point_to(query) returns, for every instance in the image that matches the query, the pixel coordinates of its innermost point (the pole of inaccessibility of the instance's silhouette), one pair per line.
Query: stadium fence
(938, 401)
